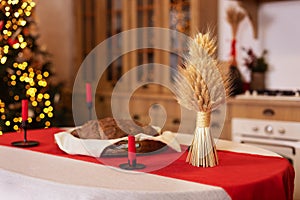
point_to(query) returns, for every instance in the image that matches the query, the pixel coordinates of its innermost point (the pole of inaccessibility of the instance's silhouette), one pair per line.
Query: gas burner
(275, 92)
(293, 95)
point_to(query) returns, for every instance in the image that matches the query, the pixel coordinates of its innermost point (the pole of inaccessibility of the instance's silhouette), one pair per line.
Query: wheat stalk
(234, 17)
(200, 86)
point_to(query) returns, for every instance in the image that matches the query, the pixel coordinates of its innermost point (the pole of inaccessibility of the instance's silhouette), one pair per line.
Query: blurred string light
(13, 34)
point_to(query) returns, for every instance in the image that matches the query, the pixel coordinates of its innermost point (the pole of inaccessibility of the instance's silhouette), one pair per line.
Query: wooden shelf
(251, 8)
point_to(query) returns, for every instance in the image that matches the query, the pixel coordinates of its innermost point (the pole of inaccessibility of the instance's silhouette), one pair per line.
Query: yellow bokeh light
(29, 120)
(7, 123)
(50, 114)
(23, 45)
(16, 127)
(22, 22)
(16, 98)
(42, 115)
(13, 83)
(20, 38)
(1, 132)
(5, 50)
(31, 74)
(32, 4)
(2, 110)
(46, 74)
(13, 2)
(46, 96)
(40, 96)
(45, 110)
(27, 13)
(7, 25)
(47, 103)
(20, 11)
(50, 108)
(13, 77)
(42, 83)
(16, 119)
(34, 103)
(31, 92)
(16, 14)
(3, 117)
(16, 46)
(3, 60)
(24, 5)
(39, 76)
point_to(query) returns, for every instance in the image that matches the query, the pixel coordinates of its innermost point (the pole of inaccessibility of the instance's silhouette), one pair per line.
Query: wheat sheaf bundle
(234, 18)
(201, 87)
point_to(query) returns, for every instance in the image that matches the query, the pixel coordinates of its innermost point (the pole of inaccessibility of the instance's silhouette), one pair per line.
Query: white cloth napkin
(93, 147)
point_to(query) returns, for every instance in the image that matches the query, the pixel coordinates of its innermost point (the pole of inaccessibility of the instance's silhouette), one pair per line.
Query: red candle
(131, 150)
(88, 89)
(24, 109)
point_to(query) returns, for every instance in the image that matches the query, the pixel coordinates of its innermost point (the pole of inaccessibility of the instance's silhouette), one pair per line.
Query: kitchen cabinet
(98, 20)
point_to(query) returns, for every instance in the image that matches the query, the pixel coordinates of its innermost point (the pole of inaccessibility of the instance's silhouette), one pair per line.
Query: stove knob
(281, 131)
(269, 129)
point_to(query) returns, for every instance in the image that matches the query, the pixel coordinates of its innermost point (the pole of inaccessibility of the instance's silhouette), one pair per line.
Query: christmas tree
(25, 68)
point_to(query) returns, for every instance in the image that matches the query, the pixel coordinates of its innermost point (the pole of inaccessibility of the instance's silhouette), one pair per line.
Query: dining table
(48, 172)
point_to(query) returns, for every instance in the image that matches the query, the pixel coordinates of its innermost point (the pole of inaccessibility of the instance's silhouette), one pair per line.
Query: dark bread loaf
(110, 128)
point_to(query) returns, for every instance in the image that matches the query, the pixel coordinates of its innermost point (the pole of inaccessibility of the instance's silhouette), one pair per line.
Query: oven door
(286, 149)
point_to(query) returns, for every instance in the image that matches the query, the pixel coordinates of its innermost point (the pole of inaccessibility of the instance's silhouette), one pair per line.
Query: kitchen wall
(278, 32)
(55, 25)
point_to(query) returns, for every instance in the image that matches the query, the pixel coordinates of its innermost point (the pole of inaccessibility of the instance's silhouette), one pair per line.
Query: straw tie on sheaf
(203, 119)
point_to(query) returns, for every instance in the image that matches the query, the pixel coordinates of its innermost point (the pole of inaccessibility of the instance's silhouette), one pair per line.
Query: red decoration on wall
(233, 49)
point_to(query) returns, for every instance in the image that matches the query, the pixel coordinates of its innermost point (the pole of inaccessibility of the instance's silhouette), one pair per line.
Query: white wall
(278, 33)
(55, 26)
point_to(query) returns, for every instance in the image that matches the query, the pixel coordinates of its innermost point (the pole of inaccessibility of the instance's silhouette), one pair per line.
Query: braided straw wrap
(201, 87)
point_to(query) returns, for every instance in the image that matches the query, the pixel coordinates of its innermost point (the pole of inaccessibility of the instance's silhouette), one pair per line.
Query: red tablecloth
(242, 176)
